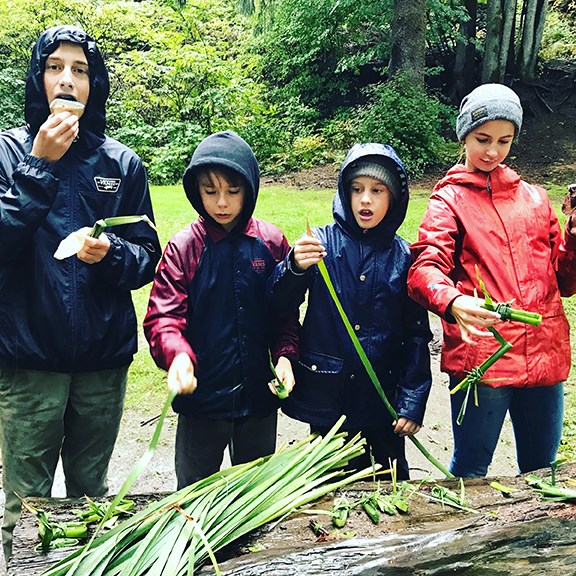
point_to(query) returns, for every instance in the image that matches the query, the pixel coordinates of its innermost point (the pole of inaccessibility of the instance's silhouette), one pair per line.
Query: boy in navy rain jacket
(68, 328)
(368, 263)
(208, 323)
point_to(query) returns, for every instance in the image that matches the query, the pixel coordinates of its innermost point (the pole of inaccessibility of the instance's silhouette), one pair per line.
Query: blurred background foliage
(300, 80)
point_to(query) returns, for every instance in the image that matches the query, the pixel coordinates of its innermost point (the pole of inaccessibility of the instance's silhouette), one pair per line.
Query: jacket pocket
(318, 363)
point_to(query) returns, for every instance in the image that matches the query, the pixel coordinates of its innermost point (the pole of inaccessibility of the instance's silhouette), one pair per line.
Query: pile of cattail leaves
(178, 534)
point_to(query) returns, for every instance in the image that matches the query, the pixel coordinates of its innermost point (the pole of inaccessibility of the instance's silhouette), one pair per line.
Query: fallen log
(506, 534)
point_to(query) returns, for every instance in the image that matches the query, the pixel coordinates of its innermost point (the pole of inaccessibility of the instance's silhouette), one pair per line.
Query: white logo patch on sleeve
(111, 185)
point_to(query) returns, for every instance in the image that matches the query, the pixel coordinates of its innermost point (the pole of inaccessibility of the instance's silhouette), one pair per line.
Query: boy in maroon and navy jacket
(208, 323)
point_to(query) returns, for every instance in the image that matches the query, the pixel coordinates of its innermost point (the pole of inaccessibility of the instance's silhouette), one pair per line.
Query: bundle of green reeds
(176, 535)
(476, 375)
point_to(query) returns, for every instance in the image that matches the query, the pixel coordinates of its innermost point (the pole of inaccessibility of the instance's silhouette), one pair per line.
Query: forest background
(303, 80)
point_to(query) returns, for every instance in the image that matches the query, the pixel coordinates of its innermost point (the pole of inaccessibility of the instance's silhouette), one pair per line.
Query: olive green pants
(48, 415)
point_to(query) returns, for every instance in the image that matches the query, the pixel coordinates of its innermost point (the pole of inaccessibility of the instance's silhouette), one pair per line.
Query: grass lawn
(288, 207)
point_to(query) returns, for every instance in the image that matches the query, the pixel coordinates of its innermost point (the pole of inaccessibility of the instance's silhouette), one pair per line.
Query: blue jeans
(537, 416)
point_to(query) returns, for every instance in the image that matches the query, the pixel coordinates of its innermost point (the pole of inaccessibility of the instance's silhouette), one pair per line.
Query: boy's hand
(285, 374)
(308, 251)
(181, 377)
(55, 136)
(94, 249)
(405, 427)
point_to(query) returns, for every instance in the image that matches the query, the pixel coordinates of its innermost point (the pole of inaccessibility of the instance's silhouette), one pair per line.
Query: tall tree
(408, 55)
(501, 56)
(499, 45)
(465, 55)
(532, 24)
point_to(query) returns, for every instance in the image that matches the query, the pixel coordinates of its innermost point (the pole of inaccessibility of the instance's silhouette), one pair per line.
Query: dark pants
(47, 415)
(200, 444)
(385, 447)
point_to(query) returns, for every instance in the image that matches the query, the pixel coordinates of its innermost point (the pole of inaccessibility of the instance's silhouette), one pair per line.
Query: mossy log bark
(505, 534)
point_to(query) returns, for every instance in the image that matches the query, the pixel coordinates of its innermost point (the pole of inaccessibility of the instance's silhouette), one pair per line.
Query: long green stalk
(132, 477)
(369, 369)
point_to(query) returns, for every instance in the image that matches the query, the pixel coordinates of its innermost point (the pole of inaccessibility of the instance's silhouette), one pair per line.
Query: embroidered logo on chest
(111, 185)
(259, 265)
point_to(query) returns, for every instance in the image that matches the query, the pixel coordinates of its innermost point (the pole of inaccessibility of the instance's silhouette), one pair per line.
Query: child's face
(370, 200)
(222, 200)
(488, 145)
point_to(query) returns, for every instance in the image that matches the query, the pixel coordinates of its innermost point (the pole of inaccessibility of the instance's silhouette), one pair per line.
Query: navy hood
(230, 150)
(36, 110)
(382, 234)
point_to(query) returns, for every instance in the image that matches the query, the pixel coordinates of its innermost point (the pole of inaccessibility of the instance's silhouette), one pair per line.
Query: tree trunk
(507, 40)
(494, 18)
(498, 534)
(408, 55)
(533, 27)
(465, 56)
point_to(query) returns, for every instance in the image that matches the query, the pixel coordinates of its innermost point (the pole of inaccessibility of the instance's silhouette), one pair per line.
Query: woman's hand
(470, 315)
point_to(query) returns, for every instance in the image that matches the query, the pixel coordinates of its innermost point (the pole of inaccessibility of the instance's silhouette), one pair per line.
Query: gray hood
(382, 234)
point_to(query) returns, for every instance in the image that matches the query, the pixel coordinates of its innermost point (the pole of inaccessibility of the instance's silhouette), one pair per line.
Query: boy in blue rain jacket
(368, 264)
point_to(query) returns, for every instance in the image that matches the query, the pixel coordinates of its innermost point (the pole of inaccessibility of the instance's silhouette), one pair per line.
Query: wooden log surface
(438, 529)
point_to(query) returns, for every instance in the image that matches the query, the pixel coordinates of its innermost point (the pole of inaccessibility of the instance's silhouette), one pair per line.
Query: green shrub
(12, 98)
(559, 38)
(408, 119)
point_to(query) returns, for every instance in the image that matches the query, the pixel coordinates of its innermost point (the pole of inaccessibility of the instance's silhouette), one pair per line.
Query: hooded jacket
(208, 297)
(65, 315)
(508, 229)
(368, 269)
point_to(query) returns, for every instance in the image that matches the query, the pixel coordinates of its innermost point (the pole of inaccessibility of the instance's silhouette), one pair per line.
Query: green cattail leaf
(506, 490)
(101, 225)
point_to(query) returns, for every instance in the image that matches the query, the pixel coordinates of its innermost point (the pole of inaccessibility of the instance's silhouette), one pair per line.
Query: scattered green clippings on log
(549, 491)
(340, 511)
(56, 534)
(95, 511)
(506, 490)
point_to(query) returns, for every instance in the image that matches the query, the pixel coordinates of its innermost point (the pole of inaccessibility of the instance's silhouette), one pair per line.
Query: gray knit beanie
(485, 103)
(371, 166)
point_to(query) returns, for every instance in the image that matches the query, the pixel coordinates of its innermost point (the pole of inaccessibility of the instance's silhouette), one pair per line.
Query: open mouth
(67, 97)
